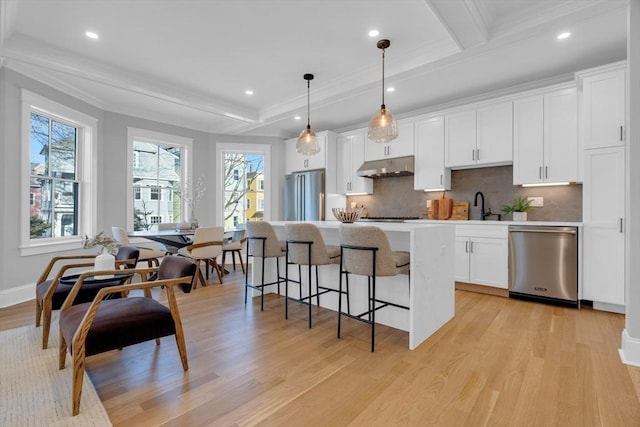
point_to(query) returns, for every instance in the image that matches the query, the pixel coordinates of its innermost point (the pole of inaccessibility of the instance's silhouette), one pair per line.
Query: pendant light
(307, 143)
(383, 127)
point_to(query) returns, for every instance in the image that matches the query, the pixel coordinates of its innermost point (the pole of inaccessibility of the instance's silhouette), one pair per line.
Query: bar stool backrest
(361, 262)
(273, 247)
(298, 252)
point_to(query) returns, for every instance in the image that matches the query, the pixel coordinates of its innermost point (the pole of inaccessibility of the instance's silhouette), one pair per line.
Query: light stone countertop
(492, 222)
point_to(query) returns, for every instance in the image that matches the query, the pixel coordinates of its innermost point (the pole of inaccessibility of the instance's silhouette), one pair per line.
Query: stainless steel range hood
(400, 166)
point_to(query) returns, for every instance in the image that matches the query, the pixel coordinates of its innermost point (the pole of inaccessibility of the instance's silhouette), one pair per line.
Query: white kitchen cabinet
(481, 136)
(352, 157)
(325, 159)
(460, 138)
(481, 255)
(603, 108)
(400, 147)
(430, 173)
(545, 148)
(604, 225)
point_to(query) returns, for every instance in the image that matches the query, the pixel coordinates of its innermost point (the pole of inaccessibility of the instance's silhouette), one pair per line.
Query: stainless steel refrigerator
(304, 196)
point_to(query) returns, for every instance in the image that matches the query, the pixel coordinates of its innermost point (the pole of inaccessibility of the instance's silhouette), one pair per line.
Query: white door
(460, 138)
(494, 139)
(488, 263)
(561, 136)
(528, 134)
(429, 155)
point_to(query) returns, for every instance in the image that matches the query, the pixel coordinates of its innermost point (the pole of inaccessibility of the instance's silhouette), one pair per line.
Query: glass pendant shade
(383, 126)
(307, 144)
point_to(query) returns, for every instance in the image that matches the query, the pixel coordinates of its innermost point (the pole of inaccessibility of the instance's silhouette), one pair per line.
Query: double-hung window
(158, 177)
(59, 196)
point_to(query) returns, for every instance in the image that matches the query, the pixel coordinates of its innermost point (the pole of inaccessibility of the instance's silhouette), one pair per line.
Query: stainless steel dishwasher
(543, 263)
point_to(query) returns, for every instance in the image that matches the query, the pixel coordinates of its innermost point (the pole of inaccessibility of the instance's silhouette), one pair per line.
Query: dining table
(174, 238)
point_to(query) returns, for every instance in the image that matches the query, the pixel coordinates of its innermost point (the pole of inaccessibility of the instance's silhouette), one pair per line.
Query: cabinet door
(494, 139)
(528, 134)
(403, 145)
(460, 138)
(344, 163)
(318, 161)
(603, 216)
(462, 259)
(430, 172)
(293, 160)
(561, 136)
(399, 147)
(488, 262)
(352, 159)
(603, 109)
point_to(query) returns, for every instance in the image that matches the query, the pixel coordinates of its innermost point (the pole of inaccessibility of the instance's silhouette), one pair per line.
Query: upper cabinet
(325, 159)
(545, 146)
(430, 173)
(351, 158)
(481, 136)
(603, 108)
(399, 147)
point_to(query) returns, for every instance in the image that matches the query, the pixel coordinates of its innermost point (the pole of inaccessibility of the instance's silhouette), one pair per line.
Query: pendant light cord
(383, 106)
(308, 104)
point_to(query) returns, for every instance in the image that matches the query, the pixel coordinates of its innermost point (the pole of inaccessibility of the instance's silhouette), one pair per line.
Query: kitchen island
(429, 290)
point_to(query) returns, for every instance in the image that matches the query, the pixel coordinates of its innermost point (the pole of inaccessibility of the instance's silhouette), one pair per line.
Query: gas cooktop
(388, 218)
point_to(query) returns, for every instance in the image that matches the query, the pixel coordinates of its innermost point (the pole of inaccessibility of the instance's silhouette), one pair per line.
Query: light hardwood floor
(499, 362)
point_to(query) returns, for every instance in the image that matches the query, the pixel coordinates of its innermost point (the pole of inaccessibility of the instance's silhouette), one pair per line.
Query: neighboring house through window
(59, 183)
(160, 164)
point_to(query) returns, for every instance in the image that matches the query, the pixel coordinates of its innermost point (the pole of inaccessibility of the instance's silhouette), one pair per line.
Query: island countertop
(429, 290)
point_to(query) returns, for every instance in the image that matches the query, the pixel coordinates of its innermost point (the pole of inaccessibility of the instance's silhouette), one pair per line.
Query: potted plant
(518, 208)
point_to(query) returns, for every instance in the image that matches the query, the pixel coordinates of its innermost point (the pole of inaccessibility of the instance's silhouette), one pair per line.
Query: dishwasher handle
(554, 230)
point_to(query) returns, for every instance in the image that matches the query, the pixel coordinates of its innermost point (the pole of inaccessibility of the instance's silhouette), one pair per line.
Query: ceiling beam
(463, 21)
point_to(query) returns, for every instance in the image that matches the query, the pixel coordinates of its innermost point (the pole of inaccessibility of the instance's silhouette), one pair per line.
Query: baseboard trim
(489, 290)
(13, 296)
(613, 308)
(630, 351)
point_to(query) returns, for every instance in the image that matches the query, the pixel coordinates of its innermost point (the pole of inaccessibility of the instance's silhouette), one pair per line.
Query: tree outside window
(243, 171)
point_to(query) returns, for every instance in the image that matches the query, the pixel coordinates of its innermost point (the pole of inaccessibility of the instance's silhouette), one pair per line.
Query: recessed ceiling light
(248, 92)
(92, 35)
(374, 33)
(391, 89)
(297, 118)
(564, 35)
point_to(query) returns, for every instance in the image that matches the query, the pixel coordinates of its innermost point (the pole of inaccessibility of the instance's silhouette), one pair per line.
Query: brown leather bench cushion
(118, 323)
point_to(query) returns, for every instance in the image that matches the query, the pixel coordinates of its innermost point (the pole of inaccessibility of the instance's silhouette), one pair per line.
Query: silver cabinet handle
(471, 246)
(473, 155)
(440, 179)
(621, 225)
(546, 172)
(540, 172)
(466, 247)
(621, 132)
(478, 154)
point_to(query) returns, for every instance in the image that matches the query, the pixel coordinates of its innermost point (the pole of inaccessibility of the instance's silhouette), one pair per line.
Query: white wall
(17, 282)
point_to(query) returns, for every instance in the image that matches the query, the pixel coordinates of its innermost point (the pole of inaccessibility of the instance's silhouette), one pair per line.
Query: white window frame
(265, 151)
(152, 137)
(86, 168)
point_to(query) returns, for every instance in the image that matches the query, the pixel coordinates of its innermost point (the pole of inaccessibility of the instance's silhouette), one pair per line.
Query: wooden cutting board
(459, 210)
(445, 208)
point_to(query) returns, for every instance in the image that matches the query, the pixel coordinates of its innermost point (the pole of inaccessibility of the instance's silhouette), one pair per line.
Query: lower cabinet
(482, 255)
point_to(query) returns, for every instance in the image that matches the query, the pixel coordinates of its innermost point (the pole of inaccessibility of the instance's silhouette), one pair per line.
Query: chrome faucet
(482, 211)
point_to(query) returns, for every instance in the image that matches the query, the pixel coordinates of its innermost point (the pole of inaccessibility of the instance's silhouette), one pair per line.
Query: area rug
(33, 392)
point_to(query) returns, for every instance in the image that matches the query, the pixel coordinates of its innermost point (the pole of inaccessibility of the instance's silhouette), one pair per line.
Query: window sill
(51, 246)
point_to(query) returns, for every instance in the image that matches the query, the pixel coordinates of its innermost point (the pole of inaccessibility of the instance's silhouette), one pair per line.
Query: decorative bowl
(347, 215)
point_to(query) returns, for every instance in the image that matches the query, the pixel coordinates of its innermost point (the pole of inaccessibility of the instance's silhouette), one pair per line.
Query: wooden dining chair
(207, 246)
(51, 294)
(109, 324)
